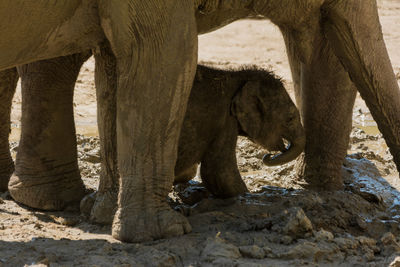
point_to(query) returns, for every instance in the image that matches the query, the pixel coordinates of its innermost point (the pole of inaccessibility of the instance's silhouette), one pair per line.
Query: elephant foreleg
(327, 97)
(8, 83)
(46, 173)
(155, 45)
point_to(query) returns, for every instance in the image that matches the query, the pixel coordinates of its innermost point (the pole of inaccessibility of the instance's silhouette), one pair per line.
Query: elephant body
(147, 51)
(47, 30)
(224, 104)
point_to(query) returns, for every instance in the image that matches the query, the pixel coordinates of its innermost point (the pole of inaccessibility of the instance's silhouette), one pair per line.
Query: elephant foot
(87, 203)
(321, 178)
(47, 193)
(100, 207)
(148, 224)
(228, 192)
(226, 187)
(323, 183)
(104, 207)
(6, 170)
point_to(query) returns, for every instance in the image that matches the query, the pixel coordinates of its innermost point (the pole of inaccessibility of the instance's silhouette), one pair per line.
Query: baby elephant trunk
(292, 151)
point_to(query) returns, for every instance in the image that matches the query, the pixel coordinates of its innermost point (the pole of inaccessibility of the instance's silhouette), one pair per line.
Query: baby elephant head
(267, 116)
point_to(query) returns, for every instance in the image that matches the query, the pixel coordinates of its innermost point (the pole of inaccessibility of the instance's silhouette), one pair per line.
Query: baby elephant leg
(219, 170)
(8, 82)
(46, 172)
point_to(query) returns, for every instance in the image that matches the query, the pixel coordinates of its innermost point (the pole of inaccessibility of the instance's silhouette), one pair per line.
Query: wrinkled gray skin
(334, 47)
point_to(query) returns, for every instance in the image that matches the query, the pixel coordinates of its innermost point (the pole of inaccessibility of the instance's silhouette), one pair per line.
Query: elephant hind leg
(354, 30)
(8, 83)
(326, 99)
(105, 203)
(46, 172)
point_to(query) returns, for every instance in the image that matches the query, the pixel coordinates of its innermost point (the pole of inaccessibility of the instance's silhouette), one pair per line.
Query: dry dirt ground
(279, 224)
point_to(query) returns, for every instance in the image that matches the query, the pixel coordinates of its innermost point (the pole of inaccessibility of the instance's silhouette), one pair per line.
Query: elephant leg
(218, 169)
(353, 29)
(8, 83)
(184, 176)
(46, 173)
(326, 98)
(106, 87)
(295, 65)
(155, 43)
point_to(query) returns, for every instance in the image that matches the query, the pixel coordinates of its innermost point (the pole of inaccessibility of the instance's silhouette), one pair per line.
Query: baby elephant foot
(148, 224)
(47, 193)
(6, 170)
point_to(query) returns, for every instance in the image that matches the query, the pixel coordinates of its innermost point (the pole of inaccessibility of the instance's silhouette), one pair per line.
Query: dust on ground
(278, 224)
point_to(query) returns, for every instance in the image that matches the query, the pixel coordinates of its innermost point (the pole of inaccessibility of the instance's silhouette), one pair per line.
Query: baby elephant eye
(290, 119)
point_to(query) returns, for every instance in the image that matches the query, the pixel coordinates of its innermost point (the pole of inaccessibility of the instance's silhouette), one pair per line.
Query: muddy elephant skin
(224, 104)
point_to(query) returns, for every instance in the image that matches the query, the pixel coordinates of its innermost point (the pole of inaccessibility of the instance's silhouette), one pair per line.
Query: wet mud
(277, 224)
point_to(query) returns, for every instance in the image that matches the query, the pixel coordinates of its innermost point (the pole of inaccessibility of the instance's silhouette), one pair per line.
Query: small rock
(218, 247)
(302, 251)
(390, 244)
(346, 243)
(224, 262)
(376, 228)
(6, 196)
(1, 201)
(51, 257)
(286, 240)
(276, 228)
(395, 262)
(38, 226)
(267, 250)
(44, 262)
(323, 235)
(366, 241)
(369, 254)
(298, 224)
(361, 223)
(389, 239)
(92, 156)
(254, 252)
(149, 256)
(67, 221)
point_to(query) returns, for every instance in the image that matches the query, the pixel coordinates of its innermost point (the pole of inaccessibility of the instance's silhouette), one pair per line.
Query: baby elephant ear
(245, 107)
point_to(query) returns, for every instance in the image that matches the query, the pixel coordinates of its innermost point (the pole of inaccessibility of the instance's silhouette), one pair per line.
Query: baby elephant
(224, 104)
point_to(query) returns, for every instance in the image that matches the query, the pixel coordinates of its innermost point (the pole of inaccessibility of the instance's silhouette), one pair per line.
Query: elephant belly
(37, 30)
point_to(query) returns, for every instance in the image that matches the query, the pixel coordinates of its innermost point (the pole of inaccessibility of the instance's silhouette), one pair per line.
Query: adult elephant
(333, 46)
(145, 36)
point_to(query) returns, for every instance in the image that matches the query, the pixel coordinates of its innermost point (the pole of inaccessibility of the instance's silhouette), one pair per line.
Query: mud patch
(278, 224)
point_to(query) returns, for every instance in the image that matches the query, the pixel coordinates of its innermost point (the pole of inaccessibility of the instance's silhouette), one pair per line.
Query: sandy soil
(279, 224)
